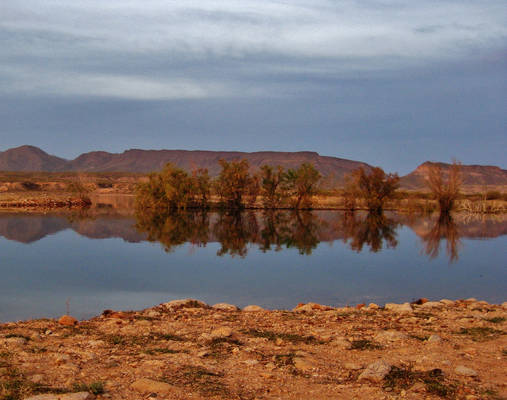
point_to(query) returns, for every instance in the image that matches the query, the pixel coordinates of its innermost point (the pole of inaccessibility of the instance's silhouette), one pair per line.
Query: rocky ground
(188, 350)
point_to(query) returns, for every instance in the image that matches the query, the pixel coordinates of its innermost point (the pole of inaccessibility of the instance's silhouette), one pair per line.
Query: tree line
(236, 187)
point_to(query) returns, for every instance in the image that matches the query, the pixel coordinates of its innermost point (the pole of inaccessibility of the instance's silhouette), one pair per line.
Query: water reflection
(271, 230)
(443, 228)
(373, 230)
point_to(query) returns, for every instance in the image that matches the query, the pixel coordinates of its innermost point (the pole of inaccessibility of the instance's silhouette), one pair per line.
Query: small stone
(266, 375)
(302, 364)
(418, 387)
(15, 341)
(203, 353)
(465, 371)
(37, 378)
(225, 307)
(67, 320)
(434, 339)
(431, 304)
(390, 336)
(373, 306)
(375, 372)
(353, 366)
(185, 303)
(220, 333)
(504, 304)
(252, 308)
(279, 341)
(342, 343)
(399, 308)
(150, 386)
(67, 396)
(270, 366)
(251, 362)
(447, 302)
(309, 307)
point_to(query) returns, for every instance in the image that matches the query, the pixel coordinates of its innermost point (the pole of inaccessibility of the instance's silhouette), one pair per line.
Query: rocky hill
(28, 158)
(473, 175)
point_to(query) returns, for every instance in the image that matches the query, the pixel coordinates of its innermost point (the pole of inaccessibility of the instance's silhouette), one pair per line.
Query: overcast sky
(392, 83)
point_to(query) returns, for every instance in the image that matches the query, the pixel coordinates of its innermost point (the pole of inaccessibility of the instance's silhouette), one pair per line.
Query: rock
(185, 303)
(353, 366)
(150, 386)
(14, 341)
(302, 364)
(221, 333)
(67, 396)
(37, 378)
(342, 343)
(420, 301)
(447, 302)
(253, 308)
(376, 371)
(431, 304)
(390, 336)
(504, 304)
(434, 339)
(418, 387)
(373, 306)
(308, 307)
(251, 362)
(225, 307)
(465, 371)
(399, 308)
(203, 354)
(67, 320)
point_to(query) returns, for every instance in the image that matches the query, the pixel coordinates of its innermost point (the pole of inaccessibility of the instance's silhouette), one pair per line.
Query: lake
(106, 258)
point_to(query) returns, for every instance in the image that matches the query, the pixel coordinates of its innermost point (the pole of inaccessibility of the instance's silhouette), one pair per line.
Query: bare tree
(445, 185)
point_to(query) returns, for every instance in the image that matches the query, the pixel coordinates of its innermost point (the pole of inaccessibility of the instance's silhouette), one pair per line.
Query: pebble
(67, 396)
(399, 308)
(302, 364)
(390, 336)
(465, 371)
(225, 307)
(253, 308)
(150, 386)
(185, 303)
(434, 339)
(375, 372)
(353, 366)
(431, 304)
(220, 333)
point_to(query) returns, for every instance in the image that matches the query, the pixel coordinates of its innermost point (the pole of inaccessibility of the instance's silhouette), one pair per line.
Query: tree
(374, 186)
(445, 186)
(302, 184)
(272, 185)
(173, 188)
(234, 183)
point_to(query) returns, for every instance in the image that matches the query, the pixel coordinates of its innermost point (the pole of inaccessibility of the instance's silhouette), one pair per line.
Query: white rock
(434, 339)
(432, 304)
(185, 303)
(465, 371)
(390, 336)
(399, 308)
(252, 308)
(375, 372)
(222, 332)
(225, 307)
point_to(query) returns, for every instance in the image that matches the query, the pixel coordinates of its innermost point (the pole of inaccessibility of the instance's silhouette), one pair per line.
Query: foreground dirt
(188, 350)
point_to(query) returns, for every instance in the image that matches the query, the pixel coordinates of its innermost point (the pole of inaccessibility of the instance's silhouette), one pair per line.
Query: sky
(391, 83)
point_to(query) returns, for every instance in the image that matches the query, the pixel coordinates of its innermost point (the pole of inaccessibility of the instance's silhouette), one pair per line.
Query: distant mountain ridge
(473, 175)
(33, 159)
(30, 158)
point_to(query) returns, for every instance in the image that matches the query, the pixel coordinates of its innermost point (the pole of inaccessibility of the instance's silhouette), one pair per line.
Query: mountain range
(30, 158)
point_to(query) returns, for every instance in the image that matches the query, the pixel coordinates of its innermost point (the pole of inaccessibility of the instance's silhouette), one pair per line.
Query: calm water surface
(106, 259)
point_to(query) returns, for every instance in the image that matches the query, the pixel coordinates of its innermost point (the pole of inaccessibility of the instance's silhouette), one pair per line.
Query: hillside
(477, 176)
(28, 158)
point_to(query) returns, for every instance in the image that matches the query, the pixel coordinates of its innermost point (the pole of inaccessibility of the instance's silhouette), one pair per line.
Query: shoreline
(188, 349)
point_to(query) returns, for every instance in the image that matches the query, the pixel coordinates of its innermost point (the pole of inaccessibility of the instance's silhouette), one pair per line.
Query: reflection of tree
(175, 228)
(444, 227)
(372, 230)
(304, 229)
(234, 230)
(275, 230)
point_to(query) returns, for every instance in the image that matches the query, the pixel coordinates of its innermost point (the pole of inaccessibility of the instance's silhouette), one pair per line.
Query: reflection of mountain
(33, 227)
(268, 231)
(30, 228)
